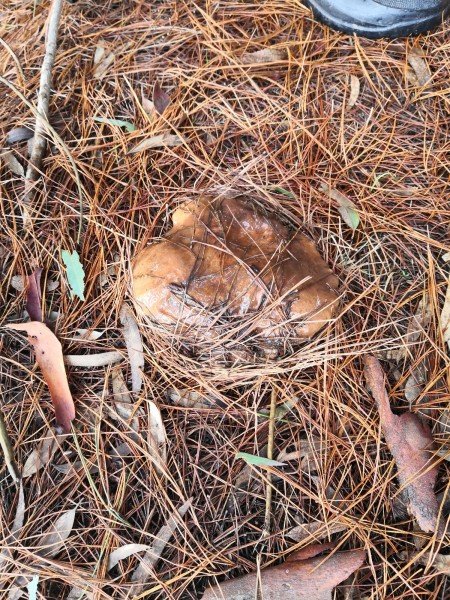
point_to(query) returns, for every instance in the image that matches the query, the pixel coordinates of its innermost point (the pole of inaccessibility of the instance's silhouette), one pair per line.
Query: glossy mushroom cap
(225, 271)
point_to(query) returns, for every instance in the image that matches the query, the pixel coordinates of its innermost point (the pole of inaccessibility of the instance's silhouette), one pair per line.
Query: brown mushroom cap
(227, 271)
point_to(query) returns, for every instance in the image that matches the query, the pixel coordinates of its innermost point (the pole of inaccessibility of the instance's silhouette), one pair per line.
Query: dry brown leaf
(19, 134)
(122, 400)
(441, 562)
(34, 308)
(191, 399)
(143, 572)
(54, 539)
(8, 158)
(103, 59)
(49, 357)
(311, 579)
(410, 443)
(309, 451)
(157, 432)
(266, 55)
(445, 316)
(161, 100)
(148, 106)
(354, 91)
(416, 325)
(346, 207)
(102, 359)
(416, 382)
(42, 455)
(135, 348)
(124, 552)
(5, 554)
(162, 140)
(420, 66)
(317, 531)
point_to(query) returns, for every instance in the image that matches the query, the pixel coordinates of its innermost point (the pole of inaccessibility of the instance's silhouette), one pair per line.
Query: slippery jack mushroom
(230, 281)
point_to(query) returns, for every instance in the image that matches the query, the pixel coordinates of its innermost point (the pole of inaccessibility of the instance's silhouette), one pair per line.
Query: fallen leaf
(124, 552)
(266, 55)
(88, 334)
(77, 466)
(122, 400)
(410, 443)
(49, 357)
(161, 100)
(283, 192)
(317, 530)
(8, 158)
(416, 381)
(135, 348)
(75, 273)
(416, 325)
(445, 316)
(311, 579)
(42, 455)
(18, 283)
(346, 207)
(157, 433)
(354, 91)
(5, 553)
(259, 461)
(34, 308)
(8, 452)
(54, 539)
(19, 134)
(102, 61)
(32, 588)
(162, 140)
(191, 399)
(148, 106)
(102, 359)
(116, 122)
(420, 66)
(441, 562)
(309, 451)
(144, 571)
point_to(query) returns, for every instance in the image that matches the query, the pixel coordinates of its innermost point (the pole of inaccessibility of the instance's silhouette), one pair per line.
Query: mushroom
(229, 278)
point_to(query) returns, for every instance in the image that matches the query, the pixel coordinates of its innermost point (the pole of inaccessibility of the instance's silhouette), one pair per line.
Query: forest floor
(317, 114)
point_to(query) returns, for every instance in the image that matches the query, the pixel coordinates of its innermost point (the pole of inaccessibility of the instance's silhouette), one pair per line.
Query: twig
(39, 141)
(273, 406)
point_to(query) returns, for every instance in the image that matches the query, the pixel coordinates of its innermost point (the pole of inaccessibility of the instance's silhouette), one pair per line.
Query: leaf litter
(411, 443)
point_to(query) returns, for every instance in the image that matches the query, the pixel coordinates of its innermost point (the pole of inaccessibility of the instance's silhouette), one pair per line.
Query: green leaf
(75, 273)
(259, 461)
(287, 193)
(128, 126)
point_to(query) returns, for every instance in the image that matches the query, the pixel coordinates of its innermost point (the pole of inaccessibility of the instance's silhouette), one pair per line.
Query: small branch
(39, 141)
(267, 516)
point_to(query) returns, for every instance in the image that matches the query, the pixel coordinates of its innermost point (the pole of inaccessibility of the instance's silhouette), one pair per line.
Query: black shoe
(380, 18)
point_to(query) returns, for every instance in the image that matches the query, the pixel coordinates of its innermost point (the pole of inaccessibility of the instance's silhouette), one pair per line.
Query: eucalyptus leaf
(259, 461)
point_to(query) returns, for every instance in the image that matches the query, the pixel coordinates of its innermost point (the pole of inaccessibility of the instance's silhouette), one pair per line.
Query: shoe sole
(406, 29)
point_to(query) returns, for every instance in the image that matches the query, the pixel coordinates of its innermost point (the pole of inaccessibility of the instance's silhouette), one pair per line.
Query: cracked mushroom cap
(228, 275)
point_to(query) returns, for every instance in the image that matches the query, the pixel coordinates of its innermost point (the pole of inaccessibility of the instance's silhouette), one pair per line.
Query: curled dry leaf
(316, 531)
(354, 91)
(102, 359)
(148, 106)
(19, 134)
(445, 317)
(311, 579)
(416, 325)
(419, 66)
(162, 140)
(34, 307)
(124, 552)
(122, 400)
(12, 163)
(161, 100)
(410, 442)
(191, 399)
(50, 359)
(157, 434)
(135, 348)
(266, 55)
(103, 59)
(416, 381)
(346, 207)
(143, 572)
(43, 454)
(54, 539)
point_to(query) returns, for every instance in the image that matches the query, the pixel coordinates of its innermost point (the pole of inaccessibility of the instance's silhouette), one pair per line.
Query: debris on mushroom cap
(228, 275)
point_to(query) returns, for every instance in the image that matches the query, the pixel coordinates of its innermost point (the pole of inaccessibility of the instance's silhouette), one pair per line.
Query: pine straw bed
(274, 131)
